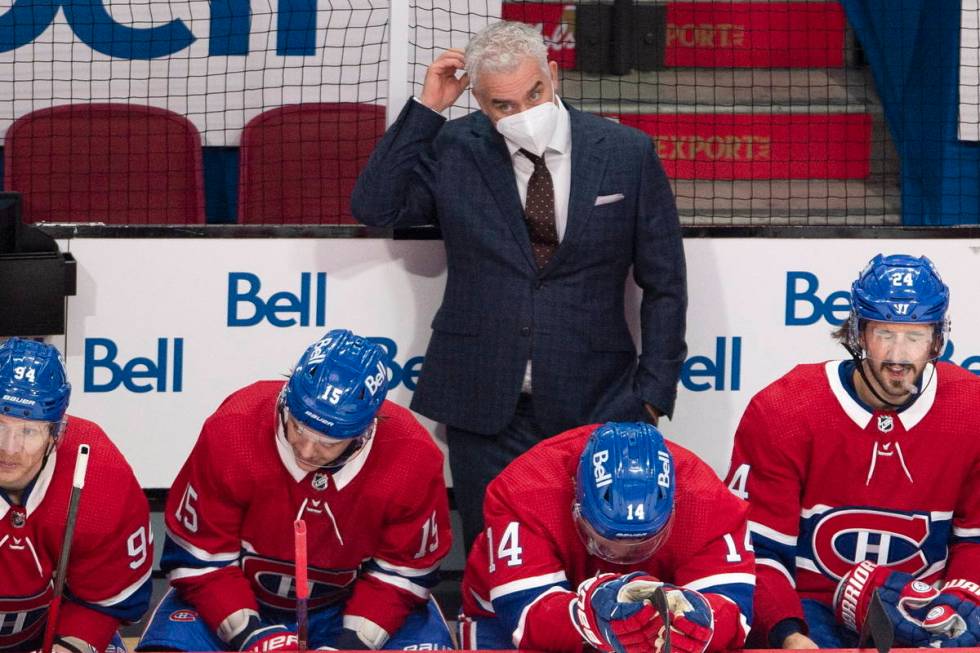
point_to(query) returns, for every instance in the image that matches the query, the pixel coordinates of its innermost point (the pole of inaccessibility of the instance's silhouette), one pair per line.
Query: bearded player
(863, 477)
(108, 571)
(586, 527)
(364, 475)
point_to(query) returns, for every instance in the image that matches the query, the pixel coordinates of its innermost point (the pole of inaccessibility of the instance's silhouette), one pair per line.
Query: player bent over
(863, 477)
(108, 571)
(363, 474)
(585, 527)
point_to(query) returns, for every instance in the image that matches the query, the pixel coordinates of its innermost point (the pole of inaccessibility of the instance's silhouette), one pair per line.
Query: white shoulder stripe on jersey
(806, 563)
(126, 593)
(720, 579)
(775, 564)
(851, 408)
(401, 583)
(817, 509)
(200, 553)
(966, 532)
(772, 534)
(527, 584)
(484, 603)
(518, 633)
(936, 515)
(179, 573)
(411, 572)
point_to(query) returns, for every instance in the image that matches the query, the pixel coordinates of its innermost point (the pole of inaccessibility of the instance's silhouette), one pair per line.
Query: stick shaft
(302, 584)
(78, 482)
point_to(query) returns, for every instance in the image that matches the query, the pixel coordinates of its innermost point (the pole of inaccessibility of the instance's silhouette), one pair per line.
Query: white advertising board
(162, 330)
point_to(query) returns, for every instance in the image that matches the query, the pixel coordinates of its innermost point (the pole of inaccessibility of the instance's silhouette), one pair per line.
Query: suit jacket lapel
(493, 160)
(588, 167)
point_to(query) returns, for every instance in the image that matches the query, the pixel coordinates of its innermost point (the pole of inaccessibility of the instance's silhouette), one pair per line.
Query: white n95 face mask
(531, 129)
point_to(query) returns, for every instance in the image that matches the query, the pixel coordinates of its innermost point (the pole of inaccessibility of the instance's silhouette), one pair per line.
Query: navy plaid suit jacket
(499, 309)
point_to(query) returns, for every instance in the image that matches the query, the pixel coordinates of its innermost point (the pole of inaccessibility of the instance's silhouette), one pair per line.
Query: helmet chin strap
(859, 363)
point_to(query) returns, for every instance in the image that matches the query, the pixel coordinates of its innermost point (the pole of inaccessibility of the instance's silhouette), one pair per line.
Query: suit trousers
(475, 459)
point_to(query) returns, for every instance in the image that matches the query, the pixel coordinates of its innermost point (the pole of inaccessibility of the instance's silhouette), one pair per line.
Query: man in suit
(543, 209)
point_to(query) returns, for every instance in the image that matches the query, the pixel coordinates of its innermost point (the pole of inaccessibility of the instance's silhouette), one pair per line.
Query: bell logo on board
(723, 372)
(163, 373)
(804, 306)
(306, 307)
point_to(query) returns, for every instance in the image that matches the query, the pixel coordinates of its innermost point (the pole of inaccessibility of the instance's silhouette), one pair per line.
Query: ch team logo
(22, 618)
(843, 538)
(183, 616)
(275, 584)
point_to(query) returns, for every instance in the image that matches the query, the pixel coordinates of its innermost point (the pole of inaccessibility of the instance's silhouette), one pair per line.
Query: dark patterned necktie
(539, 211)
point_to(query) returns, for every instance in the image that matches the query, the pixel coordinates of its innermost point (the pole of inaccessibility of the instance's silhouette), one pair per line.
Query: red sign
(755, 34)
(555, 21)
(716, 34)
(760, 146)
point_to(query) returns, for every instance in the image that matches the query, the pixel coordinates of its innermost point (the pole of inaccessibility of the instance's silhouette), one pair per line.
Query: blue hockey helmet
(899, 288)
(33, 381)
(624, 492)
(338, 385)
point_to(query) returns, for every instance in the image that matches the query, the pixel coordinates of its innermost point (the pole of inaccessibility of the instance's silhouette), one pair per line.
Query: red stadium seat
(112, 163)
(299, 162)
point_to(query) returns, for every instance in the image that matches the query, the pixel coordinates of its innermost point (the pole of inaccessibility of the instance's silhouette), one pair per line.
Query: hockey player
(863, 477)
(581, 531)
(108, 572)
(364, 475)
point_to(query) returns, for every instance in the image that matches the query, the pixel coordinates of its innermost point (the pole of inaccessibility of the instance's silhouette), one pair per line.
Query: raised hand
(441, 87)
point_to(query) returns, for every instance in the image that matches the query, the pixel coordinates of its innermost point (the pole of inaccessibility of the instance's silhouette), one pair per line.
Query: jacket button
(525, 331)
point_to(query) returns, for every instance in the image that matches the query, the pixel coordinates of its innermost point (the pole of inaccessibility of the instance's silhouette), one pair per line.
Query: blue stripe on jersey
(510, 606)
(130, 609)
(784, 554)
(427, 581)
(175, 557)
(740, 593)
(958, 539)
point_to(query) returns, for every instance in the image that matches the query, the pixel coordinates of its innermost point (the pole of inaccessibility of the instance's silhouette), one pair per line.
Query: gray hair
(502, 47)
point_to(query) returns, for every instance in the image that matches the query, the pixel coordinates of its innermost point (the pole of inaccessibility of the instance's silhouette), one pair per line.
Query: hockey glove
(608, 624)
(903, 597)
(270, 638)
(955, 615)
(691, 619)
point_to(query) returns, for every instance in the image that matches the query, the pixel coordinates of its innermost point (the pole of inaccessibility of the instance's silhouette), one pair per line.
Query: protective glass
(622, 551)
(29, 436)
(908, 346)
(324, 440)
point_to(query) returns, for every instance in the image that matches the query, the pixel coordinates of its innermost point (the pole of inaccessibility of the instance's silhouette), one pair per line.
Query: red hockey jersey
(108, 577)
(831, 483)
(377, 527)
(524, 567)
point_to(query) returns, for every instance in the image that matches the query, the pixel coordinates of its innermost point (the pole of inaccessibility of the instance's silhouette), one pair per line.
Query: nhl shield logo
(17, 518)
(319, 481)
(885, 423)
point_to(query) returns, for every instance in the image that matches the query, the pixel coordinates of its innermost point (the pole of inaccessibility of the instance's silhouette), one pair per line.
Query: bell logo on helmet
(373, 383)
(663, 478)
(602, 476)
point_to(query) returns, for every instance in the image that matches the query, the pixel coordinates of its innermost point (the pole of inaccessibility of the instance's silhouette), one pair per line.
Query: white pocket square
(608, 199)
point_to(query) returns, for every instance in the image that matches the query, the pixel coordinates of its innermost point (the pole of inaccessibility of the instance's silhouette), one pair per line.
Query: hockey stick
(877, 627)
(302, 587)
(78, 481)
(659, 600)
